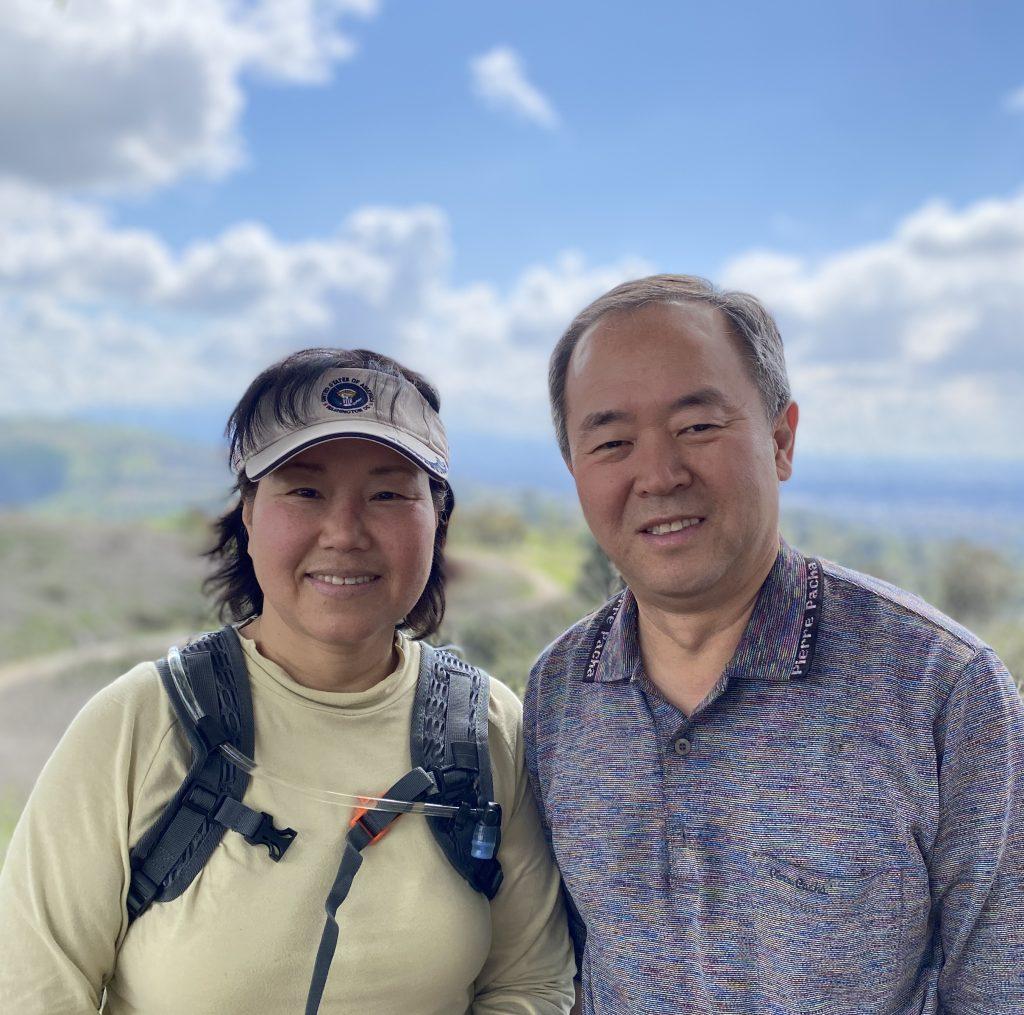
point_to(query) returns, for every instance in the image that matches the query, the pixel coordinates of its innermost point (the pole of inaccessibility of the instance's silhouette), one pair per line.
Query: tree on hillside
(974, 582)
(598, 579)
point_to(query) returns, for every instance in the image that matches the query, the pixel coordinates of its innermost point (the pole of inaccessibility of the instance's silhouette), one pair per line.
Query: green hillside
(62, 469)
(82, 599)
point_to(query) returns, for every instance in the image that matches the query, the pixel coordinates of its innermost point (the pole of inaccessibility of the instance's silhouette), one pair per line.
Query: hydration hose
(487, 817)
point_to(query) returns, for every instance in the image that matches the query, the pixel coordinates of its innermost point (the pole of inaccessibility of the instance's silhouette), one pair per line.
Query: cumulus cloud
(910, 345)
(95, 315)
(499, 78)
(914, 343)
(118, 93)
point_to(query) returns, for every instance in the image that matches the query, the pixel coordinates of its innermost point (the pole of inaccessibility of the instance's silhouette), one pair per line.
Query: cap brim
(281, 451)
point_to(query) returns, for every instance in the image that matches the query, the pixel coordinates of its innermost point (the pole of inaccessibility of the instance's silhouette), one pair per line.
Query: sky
(190, 190)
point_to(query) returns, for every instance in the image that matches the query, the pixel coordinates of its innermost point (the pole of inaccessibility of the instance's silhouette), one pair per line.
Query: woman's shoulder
(124, 724)
(135, 695)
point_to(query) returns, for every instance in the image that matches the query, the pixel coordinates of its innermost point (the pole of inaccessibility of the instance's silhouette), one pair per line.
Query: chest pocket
(826, 944)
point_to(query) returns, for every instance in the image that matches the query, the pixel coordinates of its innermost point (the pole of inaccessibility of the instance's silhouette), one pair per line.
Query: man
(772, 784)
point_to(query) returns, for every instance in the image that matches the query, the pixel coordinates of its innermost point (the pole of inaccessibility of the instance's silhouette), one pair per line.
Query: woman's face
(341, 539)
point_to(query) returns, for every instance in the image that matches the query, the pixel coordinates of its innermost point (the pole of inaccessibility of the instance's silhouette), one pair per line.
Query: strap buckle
(277, 840)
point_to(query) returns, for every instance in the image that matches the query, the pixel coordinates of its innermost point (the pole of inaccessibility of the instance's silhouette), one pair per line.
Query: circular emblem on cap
(344, 394)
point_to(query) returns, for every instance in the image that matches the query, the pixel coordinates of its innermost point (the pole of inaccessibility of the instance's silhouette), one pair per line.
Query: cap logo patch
(344, 394)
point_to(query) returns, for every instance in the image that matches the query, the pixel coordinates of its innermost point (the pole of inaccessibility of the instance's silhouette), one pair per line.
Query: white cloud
(1014, 102)
(99, 316)
(122, 93)
(914, 344)
(911, 345)
(500, 80)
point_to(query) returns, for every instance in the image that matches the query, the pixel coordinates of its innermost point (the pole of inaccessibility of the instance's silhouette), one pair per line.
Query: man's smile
(664, 526)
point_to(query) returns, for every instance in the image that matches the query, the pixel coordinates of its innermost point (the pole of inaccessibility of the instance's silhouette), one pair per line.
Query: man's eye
(610, 446)
(699, 428)
(387, 495)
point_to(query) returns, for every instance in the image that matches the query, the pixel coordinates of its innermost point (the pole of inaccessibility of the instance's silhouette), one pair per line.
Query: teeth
(677, 526)
(333, 579)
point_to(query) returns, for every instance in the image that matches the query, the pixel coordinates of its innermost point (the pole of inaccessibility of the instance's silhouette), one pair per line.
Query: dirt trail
(543, 588)
(40, 696)
(46, 667)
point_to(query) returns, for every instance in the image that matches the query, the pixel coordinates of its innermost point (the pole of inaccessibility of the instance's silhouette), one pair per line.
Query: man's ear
(784, 439)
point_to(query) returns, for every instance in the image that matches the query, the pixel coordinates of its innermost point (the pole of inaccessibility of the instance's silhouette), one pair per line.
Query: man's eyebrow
(596, 420)
(701, 397)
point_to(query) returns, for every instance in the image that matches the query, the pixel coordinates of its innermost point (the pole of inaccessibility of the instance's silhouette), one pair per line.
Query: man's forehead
(615, 331)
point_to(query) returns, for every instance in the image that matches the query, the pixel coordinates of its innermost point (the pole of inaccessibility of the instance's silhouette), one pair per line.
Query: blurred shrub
(974, 583)
(598, 578)
(488, 524)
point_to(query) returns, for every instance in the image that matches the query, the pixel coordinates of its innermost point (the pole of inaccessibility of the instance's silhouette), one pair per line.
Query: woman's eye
(387, 495)
(304, 492)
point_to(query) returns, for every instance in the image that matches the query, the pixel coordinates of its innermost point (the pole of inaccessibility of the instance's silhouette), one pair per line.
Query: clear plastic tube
(329, 796)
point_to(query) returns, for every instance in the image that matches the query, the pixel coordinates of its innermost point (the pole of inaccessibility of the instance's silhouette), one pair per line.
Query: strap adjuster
(141, 892)
(203, 801)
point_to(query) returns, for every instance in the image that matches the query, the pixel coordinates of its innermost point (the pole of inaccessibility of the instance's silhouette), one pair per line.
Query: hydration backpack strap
(367, 827)
(449, 740)
(171, 853)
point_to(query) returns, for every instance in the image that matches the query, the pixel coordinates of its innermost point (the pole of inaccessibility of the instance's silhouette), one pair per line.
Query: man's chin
(648, 586)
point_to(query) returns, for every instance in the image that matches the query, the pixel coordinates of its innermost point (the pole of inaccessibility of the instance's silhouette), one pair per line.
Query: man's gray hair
(752, 325)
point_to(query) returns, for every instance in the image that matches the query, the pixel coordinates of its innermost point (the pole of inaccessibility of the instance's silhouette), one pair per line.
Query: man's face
(676, 465)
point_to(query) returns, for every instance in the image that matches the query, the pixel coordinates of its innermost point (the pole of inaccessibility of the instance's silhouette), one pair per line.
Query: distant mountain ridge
(119, 470)
(69, 467)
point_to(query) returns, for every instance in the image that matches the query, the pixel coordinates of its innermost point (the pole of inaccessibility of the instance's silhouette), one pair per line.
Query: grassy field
(108, 595)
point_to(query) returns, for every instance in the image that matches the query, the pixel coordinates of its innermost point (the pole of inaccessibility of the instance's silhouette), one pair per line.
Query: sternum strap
(366, 829)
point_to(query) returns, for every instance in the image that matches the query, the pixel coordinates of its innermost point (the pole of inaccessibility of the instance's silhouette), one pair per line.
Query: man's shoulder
(868, 608)
(903, 606)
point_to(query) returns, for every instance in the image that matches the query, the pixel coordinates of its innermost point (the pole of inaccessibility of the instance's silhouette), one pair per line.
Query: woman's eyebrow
(300, 467)
(384, 470)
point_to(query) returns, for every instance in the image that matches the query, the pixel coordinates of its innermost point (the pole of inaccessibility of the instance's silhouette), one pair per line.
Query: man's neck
(685, 651)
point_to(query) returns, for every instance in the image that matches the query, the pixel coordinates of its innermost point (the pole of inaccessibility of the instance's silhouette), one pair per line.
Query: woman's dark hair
(281, 388)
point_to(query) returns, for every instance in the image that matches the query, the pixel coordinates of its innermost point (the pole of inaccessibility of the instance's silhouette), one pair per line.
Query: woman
(330, 563)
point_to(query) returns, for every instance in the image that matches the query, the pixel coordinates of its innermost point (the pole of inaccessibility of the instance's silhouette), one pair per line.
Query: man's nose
(661, 466)
(343, 525)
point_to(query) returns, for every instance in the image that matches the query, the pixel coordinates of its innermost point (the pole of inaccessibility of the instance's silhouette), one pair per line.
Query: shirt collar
(769, 643)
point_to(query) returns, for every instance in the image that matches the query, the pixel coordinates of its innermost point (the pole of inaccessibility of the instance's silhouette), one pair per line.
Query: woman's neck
(320, 666)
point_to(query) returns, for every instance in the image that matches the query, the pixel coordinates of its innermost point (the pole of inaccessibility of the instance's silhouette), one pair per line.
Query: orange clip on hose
(359, 814)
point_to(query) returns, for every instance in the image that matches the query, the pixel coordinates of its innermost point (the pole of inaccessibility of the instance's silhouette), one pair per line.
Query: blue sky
(687, 131)
(192, 191)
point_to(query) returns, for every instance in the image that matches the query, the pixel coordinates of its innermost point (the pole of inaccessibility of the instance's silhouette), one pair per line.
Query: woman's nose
(343, 526)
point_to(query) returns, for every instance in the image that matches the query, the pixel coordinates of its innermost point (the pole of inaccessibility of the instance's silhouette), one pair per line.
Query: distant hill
(59, 468)
(127, 470)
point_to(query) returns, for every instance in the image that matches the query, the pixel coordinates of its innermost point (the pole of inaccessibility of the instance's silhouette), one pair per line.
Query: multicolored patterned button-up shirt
(840, 837)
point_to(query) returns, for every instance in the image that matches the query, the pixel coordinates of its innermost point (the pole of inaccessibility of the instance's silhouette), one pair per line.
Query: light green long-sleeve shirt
(414, 937)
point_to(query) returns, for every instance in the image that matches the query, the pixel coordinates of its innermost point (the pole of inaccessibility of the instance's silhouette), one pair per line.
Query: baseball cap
(351, 402)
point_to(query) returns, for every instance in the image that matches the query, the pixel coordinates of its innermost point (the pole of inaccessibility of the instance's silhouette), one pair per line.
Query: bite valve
(485, 834)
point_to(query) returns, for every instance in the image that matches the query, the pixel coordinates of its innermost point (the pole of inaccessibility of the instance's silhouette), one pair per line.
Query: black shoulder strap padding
(449, 739)
(171, 853)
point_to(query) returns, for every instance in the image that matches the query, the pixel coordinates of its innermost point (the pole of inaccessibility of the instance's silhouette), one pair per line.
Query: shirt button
(682, 746)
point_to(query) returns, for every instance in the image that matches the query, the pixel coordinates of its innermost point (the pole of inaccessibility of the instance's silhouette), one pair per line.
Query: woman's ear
(247, 512)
